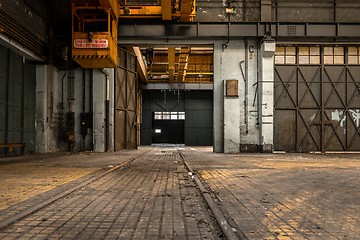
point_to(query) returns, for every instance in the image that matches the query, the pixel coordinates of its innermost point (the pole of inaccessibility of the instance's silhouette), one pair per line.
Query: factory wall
(70, 109)
(277, 10)
(17, 102)
(237, 123)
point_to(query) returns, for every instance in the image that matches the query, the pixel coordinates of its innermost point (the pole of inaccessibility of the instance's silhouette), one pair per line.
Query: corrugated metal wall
(198, 108)
(17, 101)
(317, 99)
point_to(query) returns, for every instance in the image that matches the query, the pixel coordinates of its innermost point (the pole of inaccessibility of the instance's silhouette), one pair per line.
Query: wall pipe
(17, 47)
(246, 96)
(84, 91)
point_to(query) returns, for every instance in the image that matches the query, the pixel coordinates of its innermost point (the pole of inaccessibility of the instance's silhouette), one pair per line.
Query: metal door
(126, 102)
(316, 104)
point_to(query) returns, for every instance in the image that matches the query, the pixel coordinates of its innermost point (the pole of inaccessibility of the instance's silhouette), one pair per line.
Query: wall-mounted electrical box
(232, 88)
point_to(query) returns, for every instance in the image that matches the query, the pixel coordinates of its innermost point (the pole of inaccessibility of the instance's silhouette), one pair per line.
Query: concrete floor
(150, 194)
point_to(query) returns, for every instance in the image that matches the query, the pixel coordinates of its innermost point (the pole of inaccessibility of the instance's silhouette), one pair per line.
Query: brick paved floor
(266, 196)
(284, 196)
(151, 198)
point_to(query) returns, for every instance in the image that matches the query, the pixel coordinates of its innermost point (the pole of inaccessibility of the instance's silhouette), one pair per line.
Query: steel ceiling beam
(219, 30)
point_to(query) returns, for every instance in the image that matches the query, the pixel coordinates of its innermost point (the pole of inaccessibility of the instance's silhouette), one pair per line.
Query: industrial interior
(101, 75)
(179, 119)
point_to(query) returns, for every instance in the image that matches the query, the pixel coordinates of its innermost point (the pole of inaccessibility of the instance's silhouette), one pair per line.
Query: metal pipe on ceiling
(20, 49)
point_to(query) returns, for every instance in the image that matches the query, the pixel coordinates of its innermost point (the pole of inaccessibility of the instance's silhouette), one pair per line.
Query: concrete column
(232, 54)
(99, 97)
(41, 109)
(111, 94)
(46, 91)
(77, 107)
(266, 94)
(218, 130)
(250, 125)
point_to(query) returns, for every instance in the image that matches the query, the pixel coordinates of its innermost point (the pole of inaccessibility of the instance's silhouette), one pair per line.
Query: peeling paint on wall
(340, 116)
(356, 115)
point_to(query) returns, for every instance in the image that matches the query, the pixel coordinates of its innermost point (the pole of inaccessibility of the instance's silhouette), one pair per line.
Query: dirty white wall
(59, 92)
(236, 123)
(266, 94)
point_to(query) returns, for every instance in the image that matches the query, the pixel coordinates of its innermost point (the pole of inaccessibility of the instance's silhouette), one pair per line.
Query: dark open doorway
(168, 127)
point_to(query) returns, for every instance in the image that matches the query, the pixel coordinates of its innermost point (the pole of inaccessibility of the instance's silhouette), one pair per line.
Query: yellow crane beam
(187, 10)
(171, 60)
(112, 6)
(166, 9)
(142, 68)
(182, 9)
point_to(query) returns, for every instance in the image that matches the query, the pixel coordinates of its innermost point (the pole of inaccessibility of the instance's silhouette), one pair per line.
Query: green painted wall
(17, 101)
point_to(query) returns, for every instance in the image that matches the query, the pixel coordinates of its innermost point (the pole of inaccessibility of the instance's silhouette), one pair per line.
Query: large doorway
(177, 116)
(317, 98)
(177, 99)
(168, 127)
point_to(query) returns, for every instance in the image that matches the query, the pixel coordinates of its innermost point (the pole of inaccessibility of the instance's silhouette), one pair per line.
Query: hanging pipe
(246, 97)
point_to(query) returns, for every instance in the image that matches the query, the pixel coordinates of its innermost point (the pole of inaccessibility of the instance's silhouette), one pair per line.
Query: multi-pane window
(309, 55)
(285, 55)
(354, 55)
(312, 55)
(333, 55)
(306, 55)
(169, 115)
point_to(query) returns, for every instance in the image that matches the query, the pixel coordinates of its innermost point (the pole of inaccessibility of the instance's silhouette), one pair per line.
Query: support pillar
(266, 94)
(99, 98)
(218, 129)
(233, 53)
(46, 135)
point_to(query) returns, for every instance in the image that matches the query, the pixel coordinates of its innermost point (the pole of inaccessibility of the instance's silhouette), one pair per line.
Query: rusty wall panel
(353, 90)
(334, 89)
(214, 11)
(316, 11)
(334, 134)
(308, 83)
(120, 140)
(285, 122)
(285, 86)
(318, 106)
(308, 129)
(353, 130)
(126, 111)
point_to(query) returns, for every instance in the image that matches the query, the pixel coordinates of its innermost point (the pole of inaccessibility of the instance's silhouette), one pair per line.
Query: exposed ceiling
(190, 64)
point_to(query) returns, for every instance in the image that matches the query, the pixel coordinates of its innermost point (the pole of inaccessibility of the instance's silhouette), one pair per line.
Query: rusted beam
(111, 5)
(166, 9)
(141, 11)
(171, 59)
(187, 10)
(142, 68)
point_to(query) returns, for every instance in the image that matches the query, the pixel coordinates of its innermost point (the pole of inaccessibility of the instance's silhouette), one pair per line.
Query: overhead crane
(95, 23)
